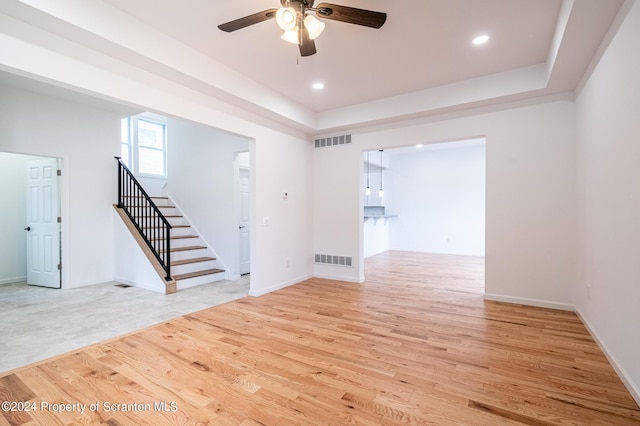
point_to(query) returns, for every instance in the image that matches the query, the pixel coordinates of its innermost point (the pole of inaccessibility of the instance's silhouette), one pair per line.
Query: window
(144, 145)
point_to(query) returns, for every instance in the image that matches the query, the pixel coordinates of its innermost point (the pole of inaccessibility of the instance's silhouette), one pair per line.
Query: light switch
(265, 220)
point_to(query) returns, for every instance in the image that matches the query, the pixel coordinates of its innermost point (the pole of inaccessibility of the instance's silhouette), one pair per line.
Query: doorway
(30, 223)
(433, 202)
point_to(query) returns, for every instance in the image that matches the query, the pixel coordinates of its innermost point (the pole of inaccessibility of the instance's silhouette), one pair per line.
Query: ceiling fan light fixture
(286, 18)
(314, 26)
(291, 36)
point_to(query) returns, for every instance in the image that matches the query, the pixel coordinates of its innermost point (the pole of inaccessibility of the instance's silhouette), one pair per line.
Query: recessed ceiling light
(318, 86)
(419, 145)
(481, 39)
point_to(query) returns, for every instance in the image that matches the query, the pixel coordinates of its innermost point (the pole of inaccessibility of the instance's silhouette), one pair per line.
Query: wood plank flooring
(415, 344)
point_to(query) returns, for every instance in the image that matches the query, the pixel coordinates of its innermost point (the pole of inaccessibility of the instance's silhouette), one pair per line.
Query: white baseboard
(264, 291)
(632, 387)
(529, 302)
(453, 252)
(139, 285)
(68, 286)
(12, 280)
(340, 278)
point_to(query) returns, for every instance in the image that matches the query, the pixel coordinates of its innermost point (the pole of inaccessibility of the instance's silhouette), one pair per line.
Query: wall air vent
(332, 141)
(328, 259)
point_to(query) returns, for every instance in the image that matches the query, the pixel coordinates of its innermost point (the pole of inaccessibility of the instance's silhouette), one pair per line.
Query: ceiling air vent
(332, 141)
(329, 259)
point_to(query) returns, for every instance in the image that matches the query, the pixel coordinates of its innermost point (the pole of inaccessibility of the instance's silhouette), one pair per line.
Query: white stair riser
(185, 242)
(190, 254)
(181, 231)
(161, 201)
(192, 267)
(168, 211)
(177, 220)
(165, 206)
(175, 232)
(192, 282)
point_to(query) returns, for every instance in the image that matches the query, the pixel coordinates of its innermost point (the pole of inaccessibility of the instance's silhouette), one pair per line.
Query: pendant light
(368, 190)
(381, 192)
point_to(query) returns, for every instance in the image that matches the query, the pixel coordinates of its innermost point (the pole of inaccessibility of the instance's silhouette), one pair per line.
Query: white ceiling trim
(120, 36)
(124, 31)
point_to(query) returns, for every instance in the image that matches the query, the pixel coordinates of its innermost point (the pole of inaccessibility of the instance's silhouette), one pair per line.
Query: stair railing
(151, 224)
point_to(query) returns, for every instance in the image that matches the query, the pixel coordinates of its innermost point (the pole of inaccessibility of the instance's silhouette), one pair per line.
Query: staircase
(192, 262)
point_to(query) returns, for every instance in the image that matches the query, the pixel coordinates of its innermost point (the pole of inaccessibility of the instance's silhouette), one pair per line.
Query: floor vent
(333, 141)
(122, 285)
(329, 259)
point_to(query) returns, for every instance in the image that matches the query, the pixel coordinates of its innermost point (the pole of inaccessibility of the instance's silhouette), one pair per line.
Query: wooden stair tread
(193, 260)
(197, 274)
(184, 248)
(176, 237)
(180, 237)
(140, 196)
(161, 227)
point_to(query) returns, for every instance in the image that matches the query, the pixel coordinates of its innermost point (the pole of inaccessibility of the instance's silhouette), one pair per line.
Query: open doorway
(30, 248)
(425, 199)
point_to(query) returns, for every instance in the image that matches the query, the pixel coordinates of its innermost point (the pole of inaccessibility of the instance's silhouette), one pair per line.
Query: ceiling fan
(298, 20)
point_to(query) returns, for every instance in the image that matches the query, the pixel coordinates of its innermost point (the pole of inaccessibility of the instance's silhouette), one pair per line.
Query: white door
(243, 221)
(43, 230)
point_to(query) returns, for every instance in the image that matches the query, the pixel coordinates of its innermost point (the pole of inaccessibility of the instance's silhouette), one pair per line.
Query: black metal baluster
(145, 215)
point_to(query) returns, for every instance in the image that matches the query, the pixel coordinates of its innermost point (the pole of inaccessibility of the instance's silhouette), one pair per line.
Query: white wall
(281, 251)
(608, 151)
(281, 155)
(153, 186)
(530, 196)
(375, 236)
(200, 176)
(438, 193)
(13, 244)
(338, 209)
(132, 266)
(86, 138)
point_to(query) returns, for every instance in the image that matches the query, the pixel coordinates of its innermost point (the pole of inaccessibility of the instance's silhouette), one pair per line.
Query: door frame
(237, 167)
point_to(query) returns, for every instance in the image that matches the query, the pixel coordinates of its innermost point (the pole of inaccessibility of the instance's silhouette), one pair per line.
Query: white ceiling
(420, 62)
(423, 44)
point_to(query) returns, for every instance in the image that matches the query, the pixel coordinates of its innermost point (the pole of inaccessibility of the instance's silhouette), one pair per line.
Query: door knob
(240, 227)
(28, 228)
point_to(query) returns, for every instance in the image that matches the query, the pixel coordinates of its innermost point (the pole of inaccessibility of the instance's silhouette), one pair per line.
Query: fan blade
(351, 15)
(307, 46)
(248, 20)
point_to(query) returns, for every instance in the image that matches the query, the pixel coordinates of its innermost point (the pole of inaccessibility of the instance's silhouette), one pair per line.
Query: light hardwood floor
(415, 344)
